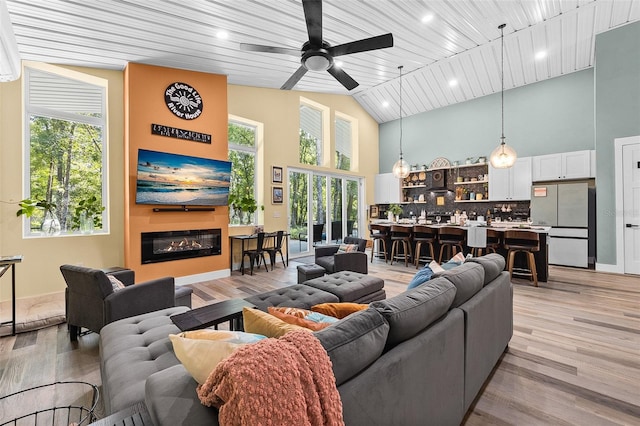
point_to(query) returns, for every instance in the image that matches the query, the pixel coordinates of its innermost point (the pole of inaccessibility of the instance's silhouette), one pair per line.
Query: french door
(323, 208)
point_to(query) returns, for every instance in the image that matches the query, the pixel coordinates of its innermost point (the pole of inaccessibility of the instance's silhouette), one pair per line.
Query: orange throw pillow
(292, 319)
(339, 310)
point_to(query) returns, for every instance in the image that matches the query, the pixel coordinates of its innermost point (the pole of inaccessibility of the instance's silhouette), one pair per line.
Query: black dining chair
(277, 248)
(256, 254)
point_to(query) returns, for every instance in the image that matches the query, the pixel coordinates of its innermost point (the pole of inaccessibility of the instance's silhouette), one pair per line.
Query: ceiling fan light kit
(317, 54)
(503, 156)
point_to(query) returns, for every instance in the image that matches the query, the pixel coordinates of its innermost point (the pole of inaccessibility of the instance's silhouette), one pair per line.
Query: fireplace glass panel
(176, 245)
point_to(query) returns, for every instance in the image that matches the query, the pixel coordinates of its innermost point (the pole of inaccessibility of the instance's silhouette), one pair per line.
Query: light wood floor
(574, 358)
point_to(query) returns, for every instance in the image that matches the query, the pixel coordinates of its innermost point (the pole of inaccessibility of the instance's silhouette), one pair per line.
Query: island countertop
(499, 226)
(541, 256)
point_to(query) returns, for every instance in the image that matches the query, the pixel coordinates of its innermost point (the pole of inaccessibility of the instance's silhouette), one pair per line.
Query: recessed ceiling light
(453, 82)
(222, 35)
(338, 64)
(427, 18)
(541, 54)
(385, 104)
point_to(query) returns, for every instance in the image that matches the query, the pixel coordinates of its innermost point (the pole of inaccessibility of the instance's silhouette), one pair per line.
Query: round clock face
(183, 101)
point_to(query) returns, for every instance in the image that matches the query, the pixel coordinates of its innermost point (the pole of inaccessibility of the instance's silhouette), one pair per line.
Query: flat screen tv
(173, 179)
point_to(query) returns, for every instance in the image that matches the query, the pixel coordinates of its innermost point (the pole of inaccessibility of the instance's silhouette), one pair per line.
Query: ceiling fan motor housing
(316, 59)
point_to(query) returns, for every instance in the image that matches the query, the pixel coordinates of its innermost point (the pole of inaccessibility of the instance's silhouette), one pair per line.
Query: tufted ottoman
(351, 286)
(131, 350)
(309, 272)
(295, 296)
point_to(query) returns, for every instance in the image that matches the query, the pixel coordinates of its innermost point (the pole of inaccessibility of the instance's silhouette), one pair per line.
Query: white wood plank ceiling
(461, 41)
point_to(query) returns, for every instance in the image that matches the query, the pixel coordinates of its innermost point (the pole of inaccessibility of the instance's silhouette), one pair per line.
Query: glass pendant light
(401, 167)
(503, 156)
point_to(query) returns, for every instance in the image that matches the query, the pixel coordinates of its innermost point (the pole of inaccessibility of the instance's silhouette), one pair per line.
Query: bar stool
(424, 235)
(379, 233)
(528, 242)
(401, 235)
(450, 239)
(494, 241)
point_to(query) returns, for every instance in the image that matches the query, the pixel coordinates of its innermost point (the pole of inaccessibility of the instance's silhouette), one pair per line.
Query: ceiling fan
(317, 54)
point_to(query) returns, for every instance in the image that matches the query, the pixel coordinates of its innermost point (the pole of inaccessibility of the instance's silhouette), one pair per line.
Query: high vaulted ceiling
(460, 42)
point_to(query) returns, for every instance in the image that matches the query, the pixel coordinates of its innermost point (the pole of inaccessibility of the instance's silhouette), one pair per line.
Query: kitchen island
(541, 257)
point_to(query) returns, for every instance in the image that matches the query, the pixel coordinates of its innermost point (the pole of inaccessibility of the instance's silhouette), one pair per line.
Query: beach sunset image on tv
(175, 179)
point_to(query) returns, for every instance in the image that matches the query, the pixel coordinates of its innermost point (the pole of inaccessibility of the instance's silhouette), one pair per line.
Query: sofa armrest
(353, 261)
(329, 250)
(140, 298)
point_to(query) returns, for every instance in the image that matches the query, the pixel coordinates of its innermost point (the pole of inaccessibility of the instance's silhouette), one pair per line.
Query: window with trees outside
(310, 135)
(343, 144)
(242, 190)
(66, 180)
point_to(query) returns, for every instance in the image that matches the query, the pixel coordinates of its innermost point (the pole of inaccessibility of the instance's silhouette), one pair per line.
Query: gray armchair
(92, 303)
(332, 261)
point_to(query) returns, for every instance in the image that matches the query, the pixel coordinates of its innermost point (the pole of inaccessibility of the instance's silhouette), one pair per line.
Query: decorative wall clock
(183, 101)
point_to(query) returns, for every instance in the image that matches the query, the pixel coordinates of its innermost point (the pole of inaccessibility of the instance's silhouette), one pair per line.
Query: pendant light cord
(400, 68)
(502, 78)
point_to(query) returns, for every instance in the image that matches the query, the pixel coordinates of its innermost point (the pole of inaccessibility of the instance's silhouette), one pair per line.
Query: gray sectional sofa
(418, 358)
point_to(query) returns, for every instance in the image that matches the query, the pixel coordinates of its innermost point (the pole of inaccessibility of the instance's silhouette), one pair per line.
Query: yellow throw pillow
(340, 309)
(257, 321)
(200, 351)
(296, 312)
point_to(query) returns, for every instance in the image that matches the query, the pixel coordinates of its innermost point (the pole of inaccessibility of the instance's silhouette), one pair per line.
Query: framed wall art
(276, 174)
(277, 195)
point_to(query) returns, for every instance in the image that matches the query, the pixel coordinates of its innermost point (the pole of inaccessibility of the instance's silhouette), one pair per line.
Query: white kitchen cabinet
(513, 183)
(564, 165)
(387, 189)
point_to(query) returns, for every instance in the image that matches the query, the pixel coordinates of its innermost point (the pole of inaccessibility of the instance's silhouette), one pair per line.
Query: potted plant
(244, 206)
(395, 210)
(87, 215)
(50, 224)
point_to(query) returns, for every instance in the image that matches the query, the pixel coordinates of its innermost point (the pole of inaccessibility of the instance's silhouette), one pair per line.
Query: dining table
(250, 237)
(541, 256)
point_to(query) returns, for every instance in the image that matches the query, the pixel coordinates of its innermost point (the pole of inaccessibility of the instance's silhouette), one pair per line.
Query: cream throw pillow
(435, 267)
(200, 351)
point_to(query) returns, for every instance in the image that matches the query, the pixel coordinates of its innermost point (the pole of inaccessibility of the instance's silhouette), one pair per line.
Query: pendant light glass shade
(401, 168)
(503, 156)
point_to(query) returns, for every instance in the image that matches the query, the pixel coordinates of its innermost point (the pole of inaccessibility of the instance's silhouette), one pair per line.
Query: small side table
(7, 262)
(214, 314)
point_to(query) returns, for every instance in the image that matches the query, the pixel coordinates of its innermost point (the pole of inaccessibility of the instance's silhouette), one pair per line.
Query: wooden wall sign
(183, 101)
(173, 132)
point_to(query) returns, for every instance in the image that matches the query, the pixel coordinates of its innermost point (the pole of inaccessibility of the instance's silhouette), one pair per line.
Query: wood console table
(7, 262)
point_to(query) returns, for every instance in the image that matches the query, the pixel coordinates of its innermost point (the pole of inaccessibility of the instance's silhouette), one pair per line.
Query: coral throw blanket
(284, 381)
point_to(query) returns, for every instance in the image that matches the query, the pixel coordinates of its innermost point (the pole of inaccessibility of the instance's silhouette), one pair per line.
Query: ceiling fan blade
(269, 49)
(373, 43)
(291, 82)
(313, 16)
(344, 78)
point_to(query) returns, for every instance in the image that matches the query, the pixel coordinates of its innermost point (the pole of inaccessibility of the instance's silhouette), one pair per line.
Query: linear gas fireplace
(176, 245)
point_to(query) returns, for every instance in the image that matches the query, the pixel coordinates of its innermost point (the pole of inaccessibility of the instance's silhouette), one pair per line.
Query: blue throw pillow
(422, 276)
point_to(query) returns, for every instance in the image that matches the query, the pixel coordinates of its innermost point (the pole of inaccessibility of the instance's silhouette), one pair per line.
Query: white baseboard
(613, 269)
(206, 276)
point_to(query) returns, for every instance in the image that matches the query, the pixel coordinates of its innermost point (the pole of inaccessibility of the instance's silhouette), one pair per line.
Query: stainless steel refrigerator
(569, 208)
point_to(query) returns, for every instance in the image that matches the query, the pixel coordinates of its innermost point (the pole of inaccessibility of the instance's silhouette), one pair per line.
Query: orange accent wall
(144, 105)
